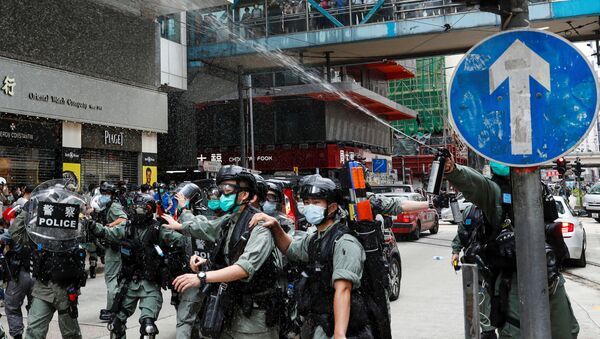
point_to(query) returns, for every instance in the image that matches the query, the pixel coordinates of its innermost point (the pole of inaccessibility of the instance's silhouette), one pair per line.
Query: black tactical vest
(142, 258)
(266, 275)
(316, 298)
(62, 268)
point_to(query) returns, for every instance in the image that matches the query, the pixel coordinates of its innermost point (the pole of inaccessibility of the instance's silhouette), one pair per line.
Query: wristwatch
(202, 276)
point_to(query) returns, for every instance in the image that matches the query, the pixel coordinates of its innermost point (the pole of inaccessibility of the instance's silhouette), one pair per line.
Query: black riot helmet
(261, 188)
(142, 209)
(316, 187)
(237, 174)
(108, 188)
(190, 191)
(277, 188)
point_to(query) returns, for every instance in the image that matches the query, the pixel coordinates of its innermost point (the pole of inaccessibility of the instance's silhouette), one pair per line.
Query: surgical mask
(499, 169)
(214, 204)
(314, 214)
(270, 208)
(104, 200)
(227, 202)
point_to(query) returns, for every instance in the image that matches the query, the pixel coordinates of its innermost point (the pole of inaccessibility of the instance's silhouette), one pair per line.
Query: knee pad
(148, 329)
(116, 327)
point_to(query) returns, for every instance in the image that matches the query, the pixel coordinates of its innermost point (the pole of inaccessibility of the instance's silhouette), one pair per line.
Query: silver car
(591, 202)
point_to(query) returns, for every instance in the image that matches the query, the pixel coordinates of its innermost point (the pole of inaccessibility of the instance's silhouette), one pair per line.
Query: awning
(351, 93)
(385, 70)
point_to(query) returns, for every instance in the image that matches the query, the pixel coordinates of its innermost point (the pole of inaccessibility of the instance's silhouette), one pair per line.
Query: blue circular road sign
(523, 97)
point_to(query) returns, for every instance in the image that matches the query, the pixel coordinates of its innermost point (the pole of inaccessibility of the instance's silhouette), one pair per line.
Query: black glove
(376, 205)
(506, 243)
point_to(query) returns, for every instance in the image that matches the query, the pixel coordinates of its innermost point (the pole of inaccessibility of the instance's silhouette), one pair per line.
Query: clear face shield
(54, 216)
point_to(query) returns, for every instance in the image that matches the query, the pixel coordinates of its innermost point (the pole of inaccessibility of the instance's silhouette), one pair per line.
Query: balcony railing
(256, 19)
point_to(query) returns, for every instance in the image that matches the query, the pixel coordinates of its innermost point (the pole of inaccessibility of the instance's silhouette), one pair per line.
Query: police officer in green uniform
(111, 214)
(329, 297)
(274, 205)
(143, 267)
(469, 218)
(487, 195)
(50, 225)
(245, 259)
(190, 301)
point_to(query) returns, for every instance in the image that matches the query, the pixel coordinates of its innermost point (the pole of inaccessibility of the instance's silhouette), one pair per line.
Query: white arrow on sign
(517, 64)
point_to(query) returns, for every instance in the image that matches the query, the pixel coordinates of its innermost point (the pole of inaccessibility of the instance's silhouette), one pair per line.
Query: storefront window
(106, 165)
(170, 27)
(31, 166)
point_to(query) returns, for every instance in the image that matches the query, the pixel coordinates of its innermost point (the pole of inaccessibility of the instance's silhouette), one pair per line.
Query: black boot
(489, 335)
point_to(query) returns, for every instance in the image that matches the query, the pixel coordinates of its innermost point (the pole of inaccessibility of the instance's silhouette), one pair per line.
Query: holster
(214, 312)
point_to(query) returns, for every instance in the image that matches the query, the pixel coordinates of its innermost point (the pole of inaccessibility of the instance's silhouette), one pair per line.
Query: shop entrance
(111, 166)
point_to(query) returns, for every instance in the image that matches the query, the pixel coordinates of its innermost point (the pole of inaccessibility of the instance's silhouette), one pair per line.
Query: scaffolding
(425, 93)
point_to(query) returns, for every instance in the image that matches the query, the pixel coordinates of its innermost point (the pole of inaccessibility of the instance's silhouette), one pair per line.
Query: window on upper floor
(170, 27)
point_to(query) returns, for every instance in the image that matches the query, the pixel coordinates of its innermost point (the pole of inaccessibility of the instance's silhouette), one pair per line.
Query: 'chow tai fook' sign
(283, 158)
(55, 215)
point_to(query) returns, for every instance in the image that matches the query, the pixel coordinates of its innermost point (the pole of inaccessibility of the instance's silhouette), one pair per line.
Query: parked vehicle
(396, 188)
(572, 231)
(413, 223)
(446, 214)
(390, 249)
(591, 202)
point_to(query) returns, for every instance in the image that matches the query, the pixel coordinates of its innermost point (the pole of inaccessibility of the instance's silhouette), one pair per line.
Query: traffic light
(561, 165)
(578, 169)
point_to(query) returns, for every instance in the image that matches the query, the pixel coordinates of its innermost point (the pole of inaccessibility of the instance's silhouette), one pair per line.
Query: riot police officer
(190, 301)
(19, 284)
(110, 213)
(244, 266)
(274, 205)
(488, 195)
(330, 295)
(143, 267)
(51, 226)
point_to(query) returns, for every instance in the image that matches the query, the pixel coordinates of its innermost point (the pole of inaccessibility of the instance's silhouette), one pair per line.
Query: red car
(413, 223)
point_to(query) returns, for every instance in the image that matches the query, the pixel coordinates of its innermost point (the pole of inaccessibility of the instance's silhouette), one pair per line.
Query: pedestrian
(245, 260)
(24, 197)
(492, 196)
(143, 270)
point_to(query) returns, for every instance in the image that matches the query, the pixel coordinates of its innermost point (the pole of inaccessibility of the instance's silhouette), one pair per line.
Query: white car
(572, 231)
(591, 202)
(446, 213)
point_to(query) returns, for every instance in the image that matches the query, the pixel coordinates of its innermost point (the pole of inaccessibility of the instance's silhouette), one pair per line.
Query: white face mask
(314, 214)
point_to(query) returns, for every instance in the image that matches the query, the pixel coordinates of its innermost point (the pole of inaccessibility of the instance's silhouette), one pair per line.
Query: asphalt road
(430, 304)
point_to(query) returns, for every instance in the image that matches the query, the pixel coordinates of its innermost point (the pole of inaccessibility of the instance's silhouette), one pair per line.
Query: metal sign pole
(534, 306)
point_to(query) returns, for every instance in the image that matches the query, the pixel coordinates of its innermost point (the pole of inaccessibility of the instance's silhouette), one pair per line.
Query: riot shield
(54, 216)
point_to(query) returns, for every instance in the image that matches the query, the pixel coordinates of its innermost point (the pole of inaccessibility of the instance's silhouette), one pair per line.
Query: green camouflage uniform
(486, 194)
(47, 299)
(259, 247)
(147, 293)
(112, 257)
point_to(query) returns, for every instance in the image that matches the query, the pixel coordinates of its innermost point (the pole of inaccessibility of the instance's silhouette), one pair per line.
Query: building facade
(79, 92)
